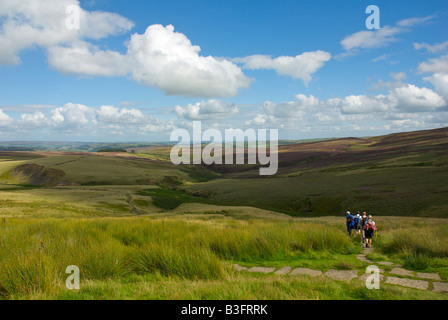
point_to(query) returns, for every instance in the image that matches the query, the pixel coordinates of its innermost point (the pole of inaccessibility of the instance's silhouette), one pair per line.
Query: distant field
(401, 174)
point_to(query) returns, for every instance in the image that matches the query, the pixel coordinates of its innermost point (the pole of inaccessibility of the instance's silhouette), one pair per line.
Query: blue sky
(133, 71)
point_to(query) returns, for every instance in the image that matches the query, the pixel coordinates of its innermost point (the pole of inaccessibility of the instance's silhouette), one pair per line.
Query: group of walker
(363, 225)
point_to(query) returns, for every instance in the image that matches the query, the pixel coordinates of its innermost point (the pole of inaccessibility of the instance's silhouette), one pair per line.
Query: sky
(115, 70)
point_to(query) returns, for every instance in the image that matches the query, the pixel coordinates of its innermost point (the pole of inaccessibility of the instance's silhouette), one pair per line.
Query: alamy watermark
(373, 280)
(73, 21)
(235, 142)
(72, 281)
(373, 21)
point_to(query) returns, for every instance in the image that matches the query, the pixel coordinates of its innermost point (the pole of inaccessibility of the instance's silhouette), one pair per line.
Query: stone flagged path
(402, 272)
(366, 275)
(306, 271)
(429, 276)
(440, 287)
(261, 269)
(343, 275)
(284, 270)
(417, 284)
(348, 275)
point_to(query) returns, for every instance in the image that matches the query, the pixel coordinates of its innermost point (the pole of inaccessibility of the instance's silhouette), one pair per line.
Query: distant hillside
(396, 174)
(402, 174)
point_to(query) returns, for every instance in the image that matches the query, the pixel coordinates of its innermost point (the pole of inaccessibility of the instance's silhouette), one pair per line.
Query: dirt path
(390, 273)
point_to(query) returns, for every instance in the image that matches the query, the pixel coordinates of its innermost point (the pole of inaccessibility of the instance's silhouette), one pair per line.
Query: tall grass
(429, 241)
(418, 247)
(34, 253)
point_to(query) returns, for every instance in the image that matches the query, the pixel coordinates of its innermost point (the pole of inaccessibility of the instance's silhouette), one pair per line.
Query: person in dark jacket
(350, 222)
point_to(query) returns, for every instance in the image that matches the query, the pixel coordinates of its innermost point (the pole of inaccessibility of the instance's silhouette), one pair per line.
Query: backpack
(356, 220)
(349, 219)
(369, 226)
(360, 222)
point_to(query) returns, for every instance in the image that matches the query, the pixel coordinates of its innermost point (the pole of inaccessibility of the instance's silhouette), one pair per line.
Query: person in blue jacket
(350, 222)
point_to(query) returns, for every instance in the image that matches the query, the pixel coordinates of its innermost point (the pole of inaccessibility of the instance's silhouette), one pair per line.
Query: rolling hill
(402, 174)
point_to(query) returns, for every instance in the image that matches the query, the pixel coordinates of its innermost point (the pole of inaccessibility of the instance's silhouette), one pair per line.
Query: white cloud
(158, 58)
(440, 83)
(435, 48)
(403, 102)
(72, 115)
(439, 78)
(359, 104)
(435, 65)
(288, 113)
(86, 59)
(33, 120)
(111, 114)
(207, 110)
(299, 67)
(5, 120)
(410, 22)
(370, 39)
(28, 23)
(412, 98)
(167, 60)
(378, 38)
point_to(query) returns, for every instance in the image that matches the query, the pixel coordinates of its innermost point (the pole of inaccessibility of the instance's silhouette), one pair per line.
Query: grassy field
(189, 257)
(141, 228)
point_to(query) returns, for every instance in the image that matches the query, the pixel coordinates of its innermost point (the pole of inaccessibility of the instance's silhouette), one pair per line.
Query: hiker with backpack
(358, 225)
(350, 222)
(363, 222)
(369, 229)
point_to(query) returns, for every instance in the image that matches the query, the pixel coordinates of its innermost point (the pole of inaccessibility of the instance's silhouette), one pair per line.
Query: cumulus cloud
(401, 98)
(207, 110)
(111, 114)
(26, 24)
(435, 65)
(160, 57)
(412, 98)
(440, 83)
(86, 59)
(5, 120)
(287, 113)
(33, 120)
(299, 67)
(439, 78)
(78, 119)
(72, 115)
(167, 60)
(401, 103)
(360, 104)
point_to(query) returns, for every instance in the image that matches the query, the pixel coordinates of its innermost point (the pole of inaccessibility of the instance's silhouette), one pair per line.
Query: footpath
(390, 273)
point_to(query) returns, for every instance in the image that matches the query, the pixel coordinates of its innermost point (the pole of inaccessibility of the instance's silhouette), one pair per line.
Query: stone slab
(440, 287)
(402, 272)
(429, 276)
(306, 271)
(366, 275)
(237, 267)
(284, 270)
(262, 269)
(410, 283)
(343, 275)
